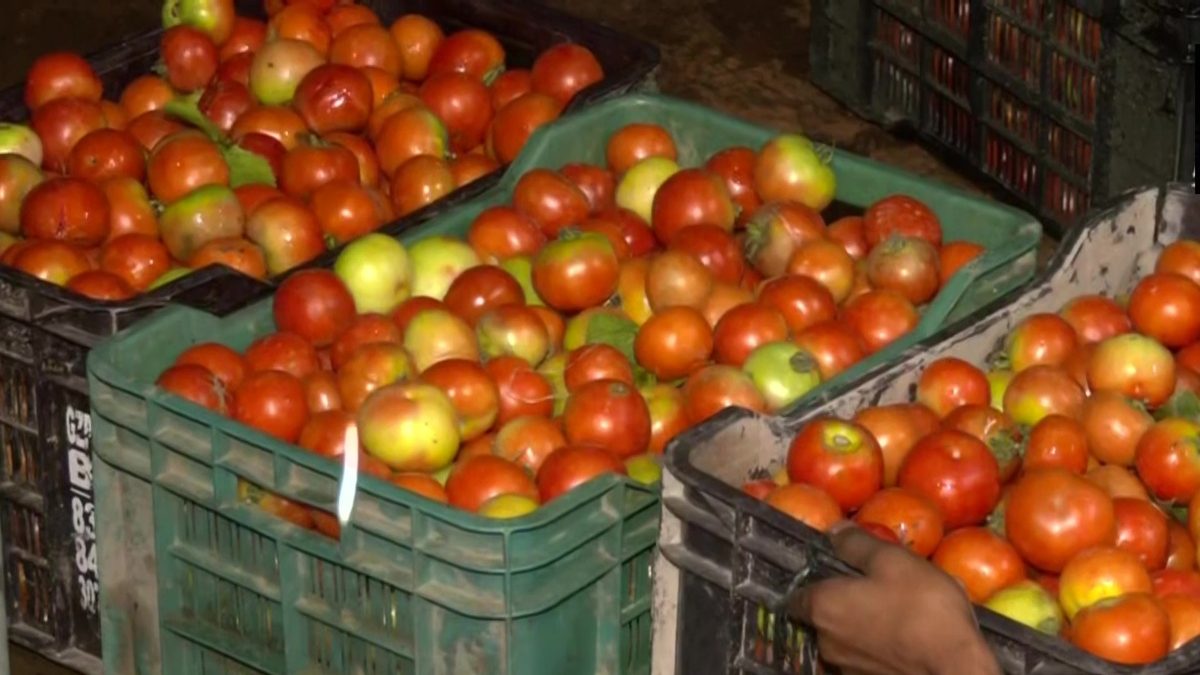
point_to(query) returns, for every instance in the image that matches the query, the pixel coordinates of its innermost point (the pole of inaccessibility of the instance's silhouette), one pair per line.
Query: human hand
(902, 617)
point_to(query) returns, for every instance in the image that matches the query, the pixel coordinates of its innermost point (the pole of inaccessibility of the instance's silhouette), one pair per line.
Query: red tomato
(609, 414)
(183, 162)
(466, 169)
(51, 261)
(361, 330)
(955, 471)
(509, 86)
(60, 75)
(1142, 530)
(60, 124)
(807, 504)
(735, 166)
(634, 142)
(880, 318)
(321, 392)
(1168, 459)
(370, 367)
(612, 231)
(596, 362)
(1166, 307)
(502, 232)
(596, 183)
(107, 153)
(564, 70)
(995, 429)
(325, 433)
(949, 383)
(745, 328)
(418, 38)
(668, 415)
(1039, 391)
(955, 255)
(839, 457)
(1056, 441)
(334, 97)
(1133, 629)
(1099, 574)
(715, 248)
(776, 230)
(901, 215)
(1176, 582)
(691, 197)
(802, 301)
(272, 402)
(481, 289)
(834, 345)
(636, 231)
(224, 101)
(677, 279)
(474, 481)
(1053, 514)
(515, 123)
(1095, 318)
(367, 45)
(308, 167)
(896, 429)
(1040, 339)
(346, 210)
(190, 57)
(99, 285)
(712, 389)
(301, 21)
(523, 390)
(569, 467)
(849, 232)
(419, 182)
(1114, 425)
(550, 200)
(914, 519)
(315, 305)
(674, 343)
(286, 352)
(1181, 547)
(1134, 365)
(463, 104)
(232, 252)
(576, 272)
(828, 263)
(1180, 257)
(472, 51)
(528, 441)
(1116, 481)
(246, 36)
(408, 309)
(1183, 613)
(225, 364)
(70, 210)
(145, 93)
(408, 134)
(981, 561)
(197, 384)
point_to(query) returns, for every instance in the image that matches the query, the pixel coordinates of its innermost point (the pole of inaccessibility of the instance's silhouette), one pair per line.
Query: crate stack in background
(1062, 103)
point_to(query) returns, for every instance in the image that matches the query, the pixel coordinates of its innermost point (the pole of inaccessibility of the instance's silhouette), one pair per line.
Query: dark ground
(749, 58)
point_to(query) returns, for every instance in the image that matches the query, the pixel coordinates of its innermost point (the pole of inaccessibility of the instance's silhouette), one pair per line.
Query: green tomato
(782, 372)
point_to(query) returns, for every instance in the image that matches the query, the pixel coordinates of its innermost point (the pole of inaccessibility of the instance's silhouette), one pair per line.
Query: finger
(857, 547)
(817, 604)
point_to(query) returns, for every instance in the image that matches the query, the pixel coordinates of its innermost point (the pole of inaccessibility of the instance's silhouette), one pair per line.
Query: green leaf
(246, 168)
(1183, 404)
(614, 330)
(187, 108)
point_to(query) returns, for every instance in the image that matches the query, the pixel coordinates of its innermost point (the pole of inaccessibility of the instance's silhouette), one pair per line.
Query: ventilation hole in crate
(193, 659)
(1069, 149)
(33, 604)
(1014, 49)
(227, 606)
(897, 38)
(1029, 11)
(1062, 199)
(777, 642)
(951, 122)
(636, 643)
(1073, 86)
(248, 550)
(636, 574)
(16, 393)
(897, 92)
(336, 651)
(955, 15)
(1075, 31)
(25, 530)
(950, 73)
(20, 456)
(380, 607)
(1012, 114)
(1010, 165)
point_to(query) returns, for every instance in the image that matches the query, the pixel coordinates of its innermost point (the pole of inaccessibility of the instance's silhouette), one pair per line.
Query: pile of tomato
(574, 331)
(260, 144)
(1060, 485)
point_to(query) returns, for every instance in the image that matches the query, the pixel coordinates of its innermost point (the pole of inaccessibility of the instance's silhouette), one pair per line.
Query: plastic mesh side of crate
(896, 66)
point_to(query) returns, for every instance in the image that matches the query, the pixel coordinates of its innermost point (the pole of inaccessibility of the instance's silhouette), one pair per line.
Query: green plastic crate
(195, 580)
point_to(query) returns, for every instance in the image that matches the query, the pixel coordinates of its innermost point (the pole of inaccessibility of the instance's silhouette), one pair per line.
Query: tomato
(896, 430)
(576, 271)
(791, 168)
(419, 182)
(597, 184)
(610, 230)
(190, 57)
(138, 259)
(839, 457)
(528, 441)
(1095, 318)
(668, 415)
(914, 519)
(637, 233)
(315, 305)
(333, 97)
(691, 197)
(195, 383)
(418, 38)
(513, 124)
(981, 561)
(306, 168)
(1053, 514)
(802, 301)
(145, 93)
(287, 231)
(722, 299)
(224, 101)
(1117, 481)
(634, 142)
(849, 232)
(735, 166)
(346, 210)
(60, 75)
(107, 153)
(714, 388)
(477, 479)
(550, 200)
(51, 261)
(1142, 530)
(151, 127)
(564, 70)
(466, 169)
(361, 330)
(383, 111)
(232, 252)
(523, 391)
(596, 362)
(1040, 339)
(834, 345)
(1181, 547)
(471, 51)
(69, 210)
(569, 467)
(1176, 581)
(501, 232)
(955, 255)
(301, 21)
(1180, 257)
(677, 279)
(60, 124)
(1001, 436)
(1133, 629)
(745, 328)
(1057, 441)
(321, 392)
(246, 36)
(955, 471)
(475, 397)
(1099, 574)
(481, 289)
(367, 45)
(949, 383)
(509, 86)
(369, 368)
(907, 265)
(435, 335)
(880, 318)
(286, 352)
(674, 343)
(224, 363)
(1183, 613)
(1168, 459)
(1134, 365)
(99, 285)
(183, 162)
(807, 504)
(609, 414)
(463, 104)
(1114, 425)
(901, 215)
(325, 433)
(1039, 391)
(283, 124)
(828, 263)
(715, 248)
(409, 309)
(407, 134)
(236, 69)
(1166, 307)
(272, 402)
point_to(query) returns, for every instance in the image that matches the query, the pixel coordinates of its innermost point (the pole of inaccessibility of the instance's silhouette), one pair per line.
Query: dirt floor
(749, 58)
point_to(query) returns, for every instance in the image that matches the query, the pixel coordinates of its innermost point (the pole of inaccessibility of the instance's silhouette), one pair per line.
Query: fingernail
(840, 526)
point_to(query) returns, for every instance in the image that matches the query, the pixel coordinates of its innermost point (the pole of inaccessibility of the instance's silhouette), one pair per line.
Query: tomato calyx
(841, 439)
(490, 76)
(1007, 446)
(996, 521)
(803, 362)
(1184, 404)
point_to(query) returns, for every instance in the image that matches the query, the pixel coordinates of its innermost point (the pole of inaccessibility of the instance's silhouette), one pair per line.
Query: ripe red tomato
(334, 97)
(715, 248)
(596, 183)
(955, 471)
(1183, 613)
(509, 86)
(1040, 339)
(807, 504)
(474, 481)
(501, 232)
(145, 93)
(896, 429)
(321, 392)
(1166, 307)
(246, 35)
(691, 197)
(714, 388)
(906, 265)
(1142, 530)
(1181, 547)
(776, 230)
(1053, 514)
(849, 232)
(609, 414)
(634, 142)
(636, 231)
(408, 133)
(315, 305)
(60, 124)
(463, 104)
(367, 45)
(481, 289)
(828, 263)
(744, 329)
(834, 345)
(466, 169)
(550, 200)
(183, 162)
(949, 383)
(190, 57)
(472, 51)
(1180, 257)
(735, 166)
(286, 352)
(1168, 459)
(70, 210)
(224, 101)
(1099, 574)
(233, 252)
(955, 255)
(346, 210)
(325, 433)
(51, 261)
(677, 279)
(515, 123)
(224, 363)
(272, 402)
(283, 124)
(361, 330)
(576, 272)
(1056, 441)
(569, 467)
(1134, 365)
(523, 390)
(612, 231)
(197, 384)
(419, 182)
(60, 75)
(674, 343)
(1039, 391)
(981, 561)
(880, 318)
(370, 367)
(915, 520)
(100, 285)
(802, 301)
(1095, 318)
(1176, 582)
(901, 215)
(593, 362)
(301, 21)
(528, 441)
(1133, 629)
(839, 457)
(995, 429)
(308, 167)
(1114, 425)
(107, 153)
(418, 37)
(564, 70)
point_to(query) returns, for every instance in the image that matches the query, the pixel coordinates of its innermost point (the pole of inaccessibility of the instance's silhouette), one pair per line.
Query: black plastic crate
(46, 507)
(1066, 103)
(728, 561)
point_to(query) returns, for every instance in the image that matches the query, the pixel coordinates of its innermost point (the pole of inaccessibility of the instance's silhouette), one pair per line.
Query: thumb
(857, 546)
